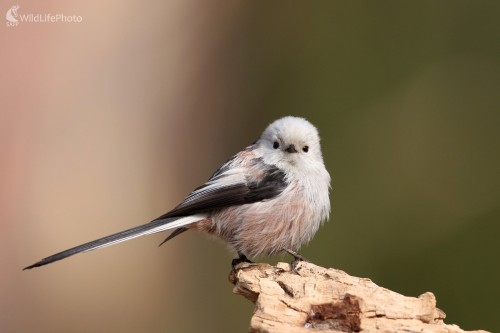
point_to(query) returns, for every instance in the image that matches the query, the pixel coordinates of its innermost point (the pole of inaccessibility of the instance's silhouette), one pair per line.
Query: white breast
(285, 222)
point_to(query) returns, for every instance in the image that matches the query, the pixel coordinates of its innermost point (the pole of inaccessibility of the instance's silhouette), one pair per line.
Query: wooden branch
(329, 300)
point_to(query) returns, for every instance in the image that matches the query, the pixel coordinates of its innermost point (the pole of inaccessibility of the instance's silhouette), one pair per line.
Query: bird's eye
(305, 149)
(276, 145)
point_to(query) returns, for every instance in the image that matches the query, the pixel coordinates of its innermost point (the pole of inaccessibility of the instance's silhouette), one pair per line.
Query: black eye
(276, 145)
(305, 149)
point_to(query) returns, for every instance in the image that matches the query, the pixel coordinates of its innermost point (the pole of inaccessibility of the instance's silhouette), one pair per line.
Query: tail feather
(152, 227)
(176, 232)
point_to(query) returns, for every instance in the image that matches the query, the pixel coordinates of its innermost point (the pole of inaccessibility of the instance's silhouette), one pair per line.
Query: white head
(292, 144)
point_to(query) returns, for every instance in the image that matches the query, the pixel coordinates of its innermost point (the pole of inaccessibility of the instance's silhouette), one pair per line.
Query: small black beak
(291, 149)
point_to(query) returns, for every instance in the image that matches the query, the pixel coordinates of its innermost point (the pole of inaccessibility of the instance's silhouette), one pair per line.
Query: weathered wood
(329, 300)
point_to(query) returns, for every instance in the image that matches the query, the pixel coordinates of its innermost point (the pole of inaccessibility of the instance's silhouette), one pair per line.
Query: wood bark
(317, 299)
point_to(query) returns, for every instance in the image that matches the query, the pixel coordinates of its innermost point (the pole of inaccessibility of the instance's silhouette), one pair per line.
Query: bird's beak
(291, 149)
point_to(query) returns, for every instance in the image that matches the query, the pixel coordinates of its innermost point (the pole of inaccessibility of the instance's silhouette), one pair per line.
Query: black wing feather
(201, 201)
(205, 199)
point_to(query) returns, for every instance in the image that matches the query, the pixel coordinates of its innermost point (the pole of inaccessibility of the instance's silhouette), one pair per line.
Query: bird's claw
(236, 261)
(297, 258)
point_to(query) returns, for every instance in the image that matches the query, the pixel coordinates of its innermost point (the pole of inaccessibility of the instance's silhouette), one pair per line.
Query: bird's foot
(236, 261)
(297, 258)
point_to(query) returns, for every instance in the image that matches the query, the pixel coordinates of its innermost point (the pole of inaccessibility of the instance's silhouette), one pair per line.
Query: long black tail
(145, 229)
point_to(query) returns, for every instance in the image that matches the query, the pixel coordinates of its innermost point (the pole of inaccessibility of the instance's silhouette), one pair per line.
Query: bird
(269, 198)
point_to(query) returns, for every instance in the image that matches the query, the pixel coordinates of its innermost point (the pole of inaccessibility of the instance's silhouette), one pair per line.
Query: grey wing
(233, 186)
(230, 185)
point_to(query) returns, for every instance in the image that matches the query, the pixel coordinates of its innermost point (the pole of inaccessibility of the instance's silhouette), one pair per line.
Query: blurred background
(109, 123)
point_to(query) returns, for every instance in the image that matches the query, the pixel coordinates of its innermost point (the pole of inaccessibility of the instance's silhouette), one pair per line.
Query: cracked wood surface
(329, 300)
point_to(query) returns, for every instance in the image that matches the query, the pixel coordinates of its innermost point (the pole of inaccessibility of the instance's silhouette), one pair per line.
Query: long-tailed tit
(270, 197)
